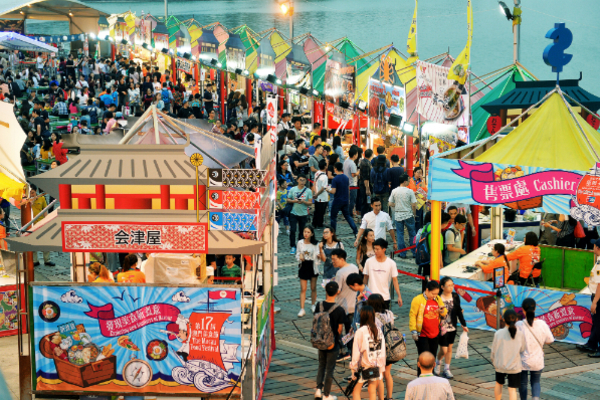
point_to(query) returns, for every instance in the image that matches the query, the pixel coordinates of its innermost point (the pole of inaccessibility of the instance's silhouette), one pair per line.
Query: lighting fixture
(286, 8)
(408, 128)
(395, 120)
(21, 12)
(92, 36)
(165, 50)
(193, 58)
(315, 92)
(245, 72)
(124, 41)
(70, 13)
(361, 105)
(171, 51)
(238, 71)
(145, 46)
(505, 10)
(344, 104)
(273, 79)
(304, 91)
(187, 56)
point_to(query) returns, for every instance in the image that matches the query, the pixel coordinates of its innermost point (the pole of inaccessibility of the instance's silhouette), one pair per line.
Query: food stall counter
(458, 269)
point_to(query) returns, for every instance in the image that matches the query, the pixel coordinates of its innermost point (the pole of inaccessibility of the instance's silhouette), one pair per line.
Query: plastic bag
(463, 349)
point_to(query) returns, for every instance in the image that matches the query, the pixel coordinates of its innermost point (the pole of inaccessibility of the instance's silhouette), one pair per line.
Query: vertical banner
(339, 83)
(384, 99)
(459, 70)
(272, 117)
(411, 43)
(440, 99)
(137, 339)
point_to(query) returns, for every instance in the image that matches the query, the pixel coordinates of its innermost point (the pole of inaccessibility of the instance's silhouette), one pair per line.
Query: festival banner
(234, 200)
(440, 99)
(136, 339)
(184, 65)
(169, 237)
(237, 178)
(459, 70)
(411, 43)
(339, 83)
(12, 25)
(384, 99)
(567, 314)
(231, 221)
(265, 343)
(272, 117)
(519, 187)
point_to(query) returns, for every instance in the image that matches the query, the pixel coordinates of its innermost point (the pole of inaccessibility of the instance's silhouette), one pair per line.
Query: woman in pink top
(111, 122)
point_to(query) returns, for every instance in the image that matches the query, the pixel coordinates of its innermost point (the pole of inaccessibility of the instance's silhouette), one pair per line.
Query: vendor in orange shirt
(501, 260)
(528, 256)
(130, 273)
(99, 273)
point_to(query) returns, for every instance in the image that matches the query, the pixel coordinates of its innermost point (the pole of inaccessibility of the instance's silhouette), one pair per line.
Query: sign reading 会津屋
(134, 237)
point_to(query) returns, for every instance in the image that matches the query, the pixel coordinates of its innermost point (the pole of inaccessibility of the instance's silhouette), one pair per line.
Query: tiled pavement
(569, 374)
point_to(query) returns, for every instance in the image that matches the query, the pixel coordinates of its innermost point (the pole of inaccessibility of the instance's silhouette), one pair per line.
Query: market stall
(179, 333)
(541, 166)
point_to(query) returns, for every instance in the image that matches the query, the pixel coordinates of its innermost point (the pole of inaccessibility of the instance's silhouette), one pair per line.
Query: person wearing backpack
(536, 333)
(384, 319)
(167, 96)
(453, 240)
(423, 246)
(380, 184)
(325, 336)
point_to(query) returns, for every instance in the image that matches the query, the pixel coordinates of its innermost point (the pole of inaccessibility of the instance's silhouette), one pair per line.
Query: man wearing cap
(593, 344)
(284, 124)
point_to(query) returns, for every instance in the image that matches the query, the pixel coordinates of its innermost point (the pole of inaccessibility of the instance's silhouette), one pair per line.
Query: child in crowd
(230, 270)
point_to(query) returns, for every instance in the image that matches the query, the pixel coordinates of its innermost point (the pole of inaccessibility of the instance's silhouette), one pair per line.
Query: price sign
(593, 121)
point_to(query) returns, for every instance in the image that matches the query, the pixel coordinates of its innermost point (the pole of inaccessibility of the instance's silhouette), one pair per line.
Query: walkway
(569, 374)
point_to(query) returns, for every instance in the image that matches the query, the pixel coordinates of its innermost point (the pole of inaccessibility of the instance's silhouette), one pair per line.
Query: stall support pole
(25, 358)
(174, 68)
(475, 235)
(281, 95)
(112, 51)
(496, 223)
(249, 95)
(408, 153)
(223, 96)
(436, 229)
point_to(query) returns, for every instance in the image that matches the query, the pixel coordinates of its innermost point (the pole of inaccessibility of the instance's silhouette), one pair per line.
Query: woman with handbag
(448, 327)
(368, 354)
(383, 316)
(536, 333)
(308, 255)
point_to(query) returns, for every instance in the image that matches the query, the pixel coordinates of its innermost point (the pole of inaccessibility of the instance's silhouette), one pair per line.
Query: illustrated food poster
(8, 310)
(567, 314)
(137, 339)
(265, 346)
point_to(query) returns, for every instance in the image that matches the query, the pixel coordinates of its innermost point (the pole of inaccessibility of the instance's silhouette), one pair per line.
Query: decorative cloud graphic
(71, 297)
(180, 297)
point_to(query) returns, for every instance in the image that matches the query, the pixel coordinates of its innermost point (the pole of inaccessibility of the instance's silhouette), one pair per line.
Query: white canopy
(15, 41)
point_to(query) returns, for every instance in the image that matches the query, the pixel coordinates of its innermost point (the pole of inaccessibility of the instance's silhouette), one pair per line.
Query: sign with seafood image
(136, 339)
(567, 314)
(439, 99)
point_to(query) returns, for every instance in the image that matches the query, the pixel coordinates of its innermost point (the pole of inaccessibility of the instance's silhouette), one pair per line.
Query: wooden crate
(80, 375)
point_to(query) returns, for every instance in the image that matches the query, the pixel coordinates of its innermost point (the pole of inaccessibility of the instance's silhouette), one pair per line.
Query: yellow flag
(411, 43)
(458, 70)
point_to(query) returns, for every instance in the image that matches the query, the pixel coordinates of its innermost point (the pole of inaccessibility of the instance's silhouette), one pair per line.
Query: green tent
(479, 115)
(248, 37)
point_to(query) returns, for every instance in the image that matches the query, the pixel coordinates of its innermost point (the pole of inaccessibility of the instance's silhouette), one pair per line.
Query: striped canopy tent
(222, 35)
(313, 49)
(265, 57)
(194, 28)
(297, 67)
(250, 42)
(504, 82)
(282, 48)
(207, 46)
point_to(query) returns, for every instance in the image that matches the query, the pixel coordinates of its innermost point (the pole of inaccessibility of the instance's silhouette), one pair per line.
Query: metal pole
(292, 20)
(166, 14)
(517, 31)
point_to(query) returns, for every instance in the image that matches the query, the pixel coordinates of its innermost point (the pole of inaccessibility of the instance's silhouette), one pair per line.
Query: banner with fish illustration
(567, 314)
(440, 99)
(136, 339)
(517, 186)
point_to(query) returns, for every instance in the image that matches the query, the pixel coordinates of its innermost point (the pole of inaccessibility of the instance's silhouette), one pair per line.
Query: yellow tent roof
(549, 138)
(405, 74)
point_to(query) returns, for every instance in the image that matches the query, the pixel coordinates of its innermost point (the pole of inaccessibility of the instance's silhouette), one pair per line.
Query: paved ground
(569, 374)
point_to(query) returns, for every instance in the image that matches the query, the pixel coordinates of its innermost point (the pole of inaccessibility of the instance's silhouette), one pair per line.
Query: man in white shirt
(351, 171)
(404, 203)
(380, 271)
(378, 221)
(40, 62)
(284, 124)
(427, 386)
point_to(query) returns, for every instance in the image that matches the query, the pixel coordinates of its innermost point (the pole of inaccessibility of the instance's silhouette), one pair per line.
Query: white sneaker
(313, 308)
(330, 397)
(301, 313)
(318, 394)
(436, 370)
(288, 231)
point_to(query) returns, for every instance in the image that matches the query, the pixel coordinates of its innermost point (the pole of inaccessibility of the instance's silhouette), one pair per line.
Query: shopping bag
(579, 232)
(463, 348)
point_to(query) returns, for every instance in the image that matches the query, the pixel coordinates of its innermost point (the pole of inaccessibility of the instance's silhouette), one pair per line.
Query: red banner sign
(168, 237)
(125, 324)
(234, 200)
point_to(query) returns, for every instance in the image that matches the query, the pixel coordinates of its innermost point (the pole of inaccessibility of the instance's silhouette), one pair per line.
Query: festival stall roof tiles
(235, 42)
(297, 55)
(478, 113)
(48, 237)
(160, 28)
(549, 138)
(123, 165)
(404, 71)
(346, 51)
(525, 94)
(313, 51)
